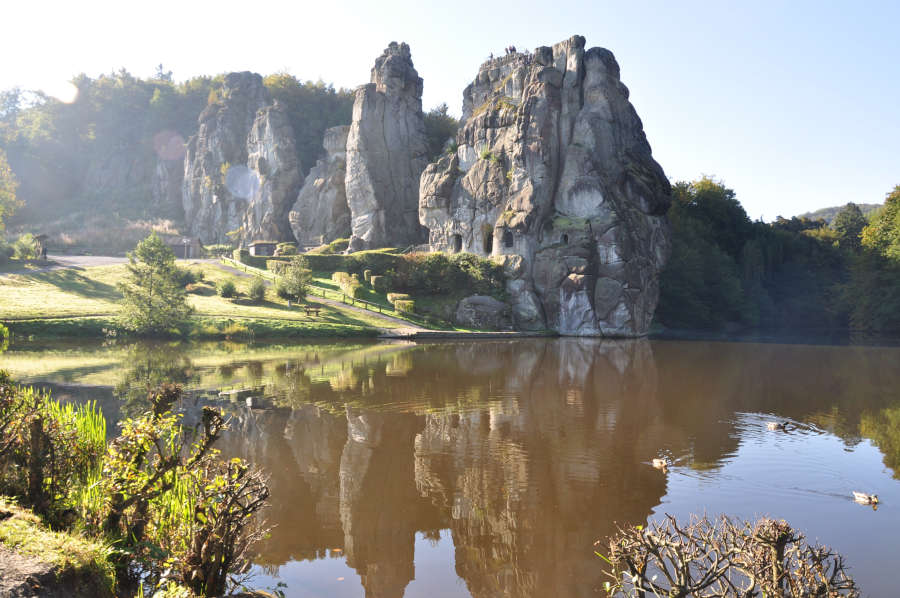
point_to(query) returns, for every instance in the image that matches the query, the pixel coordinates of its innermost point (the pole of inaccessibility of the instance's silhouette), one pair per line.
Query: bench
(312, 311)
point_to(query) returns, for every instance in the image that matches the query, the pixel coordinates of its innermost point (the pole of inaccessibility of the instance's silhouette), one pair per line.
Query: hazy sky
(793, 104)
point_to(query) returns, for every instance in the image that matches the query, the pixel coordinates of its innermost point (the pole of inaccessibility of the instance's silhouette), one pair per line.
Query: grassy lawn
(92, 292)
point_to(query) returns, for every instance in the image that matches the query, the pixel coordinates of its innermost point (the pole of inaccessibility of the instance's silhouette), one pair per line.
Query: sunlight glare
(63, 91)
(169, 145)
(241, 181)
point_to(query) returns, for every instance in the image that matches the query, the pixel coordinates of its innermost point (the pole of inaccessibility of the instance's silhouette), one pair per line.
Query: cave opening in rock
(457, 243)
(564, 239)
(488, 242)
(507, 239)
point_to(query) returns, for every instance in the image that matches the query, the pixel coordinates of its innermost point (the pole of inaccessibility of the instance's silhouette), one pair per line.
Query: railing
(319, 291)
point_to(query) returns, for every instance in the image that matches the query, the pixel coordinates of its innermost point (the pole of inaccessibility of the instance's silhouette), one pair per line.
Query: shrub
(349, 284)
(380, 283)
(392, 297)
(226, 288)
(294, 278)
(218, 250)
(6, 251)
(722, 558)
(185, 276)
(25, 247)
(257, 291)
(286, 249)
(405, 305)
(336, 246)
(367, 276)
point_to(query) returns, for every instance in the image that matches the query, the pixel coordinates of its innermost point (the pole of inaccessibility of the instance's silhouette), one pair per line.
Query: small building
(263, 248)
(184, 248)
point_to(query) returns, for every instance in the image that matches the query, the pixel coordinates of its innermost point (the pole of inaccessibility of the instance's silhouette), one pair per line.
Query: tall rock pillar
(386, 154)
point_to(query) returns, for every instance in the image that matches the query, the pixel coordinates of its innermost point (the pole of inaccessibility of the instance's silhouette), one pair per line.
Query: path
(64, 262)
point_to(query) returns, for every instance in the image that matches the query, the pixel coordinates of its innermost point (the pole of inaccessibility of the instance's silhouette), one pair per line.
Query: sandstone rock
(483, 312)
(386, 154)
(241, 171)
(553, 166)
(321, 214)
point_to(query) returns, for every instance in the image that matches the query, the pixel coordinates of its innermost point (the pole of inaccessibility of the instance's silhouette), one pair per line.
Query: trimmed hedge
(243, 256)
(349, 284)
(405, 305)
(392, 297)
(367, 276)
(380, 283)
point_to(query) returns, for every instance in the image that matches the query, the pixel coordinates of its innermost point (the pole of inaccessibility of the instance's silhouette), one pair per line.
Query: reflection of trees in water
(526, 451)
(147, 365)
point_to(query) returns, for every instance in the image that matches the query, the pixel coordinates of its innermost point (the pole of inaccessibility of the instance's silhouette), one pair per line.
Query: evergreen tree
(848, 224)
(154, 302)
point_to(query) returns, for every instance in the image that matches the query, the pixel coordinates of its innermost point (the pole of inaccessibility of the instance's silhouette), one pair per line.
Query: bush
(218, 250)
(286, 249)
(293, 280)
(392, 297)
(336, 246)
(25, 247)
(405, 305)
(226, 288)
(722, 558)
(440, 274)
(257, 291)
(6, 251)
(349, 284)
(186, 276)
(380, 283)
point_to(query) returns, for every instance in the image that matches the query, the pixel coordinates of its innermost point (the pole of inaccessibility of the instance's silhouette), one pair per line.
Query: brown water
(489, 469)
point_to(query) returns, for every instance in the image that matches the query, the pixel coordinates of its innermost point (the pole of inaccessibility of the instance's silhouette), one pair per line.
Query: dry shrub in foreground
(723, 558)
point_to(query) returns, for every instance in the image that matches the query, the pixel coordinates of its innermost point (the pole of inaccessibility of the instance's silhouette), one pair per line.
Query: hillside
(828, 214)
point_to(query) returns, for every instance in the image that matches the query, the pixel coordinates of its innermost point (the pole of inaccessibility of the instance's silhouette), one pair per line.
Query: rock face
(553, 174)
(241, 171)
(386, 154)
(480, 311)
(320, 214)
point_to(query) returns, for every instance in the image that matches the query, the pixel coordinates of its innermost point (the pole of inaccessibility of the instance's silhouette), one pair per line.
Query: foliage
(257, 290)
(8, 185)
(722, 558)
(848, 224)
(286, 249)
(294, 279)
(46, 448)
(439, 127)
(153, 300)
(882, 235)
(25, 247)
(312, 107)
(335, 247)
(226, 288)
(438, 273)
(405, 305)
(392, 297)
(727, 271)
(349, 284)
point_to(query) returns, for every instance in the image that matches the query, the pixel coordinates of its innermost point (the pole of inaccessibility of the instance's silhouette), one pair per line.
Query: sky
(793, 104)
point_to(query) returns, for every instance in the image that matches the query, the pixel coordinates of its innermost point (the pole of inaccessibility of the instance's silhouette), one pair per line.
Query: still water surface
(489, 469)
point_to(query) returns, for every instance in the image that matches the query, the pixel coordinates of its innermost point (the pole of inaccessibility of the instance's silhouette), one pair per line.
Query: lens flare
(169, 145)
(241, 181)
(63, 91)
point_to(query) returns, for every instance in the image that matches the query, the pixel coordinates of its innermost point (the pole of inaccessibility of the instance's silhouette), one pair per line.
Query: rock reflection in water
(526, 452)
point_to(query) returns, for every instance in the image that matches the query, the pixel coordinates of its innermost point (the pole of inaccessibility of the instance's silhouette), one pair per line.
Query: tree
(294, 279)
(848, 224)
(153, 300)
(883, 233)
(8, 186)
(439, 127)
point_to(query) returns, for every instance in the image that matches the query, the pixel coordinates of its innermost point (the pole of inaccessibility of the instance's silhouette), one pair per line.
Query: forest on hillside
(86, 168)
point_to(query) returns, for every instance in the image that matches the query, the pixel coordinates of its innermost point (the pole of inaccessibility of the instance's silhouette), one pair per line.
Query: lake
(491, 468)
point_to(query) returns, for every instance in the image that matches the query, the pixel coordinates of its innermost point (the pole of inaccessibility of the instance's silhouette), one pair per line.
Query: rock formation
(386, 154)
(320, 214)
(241, 168)
(553, 173)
